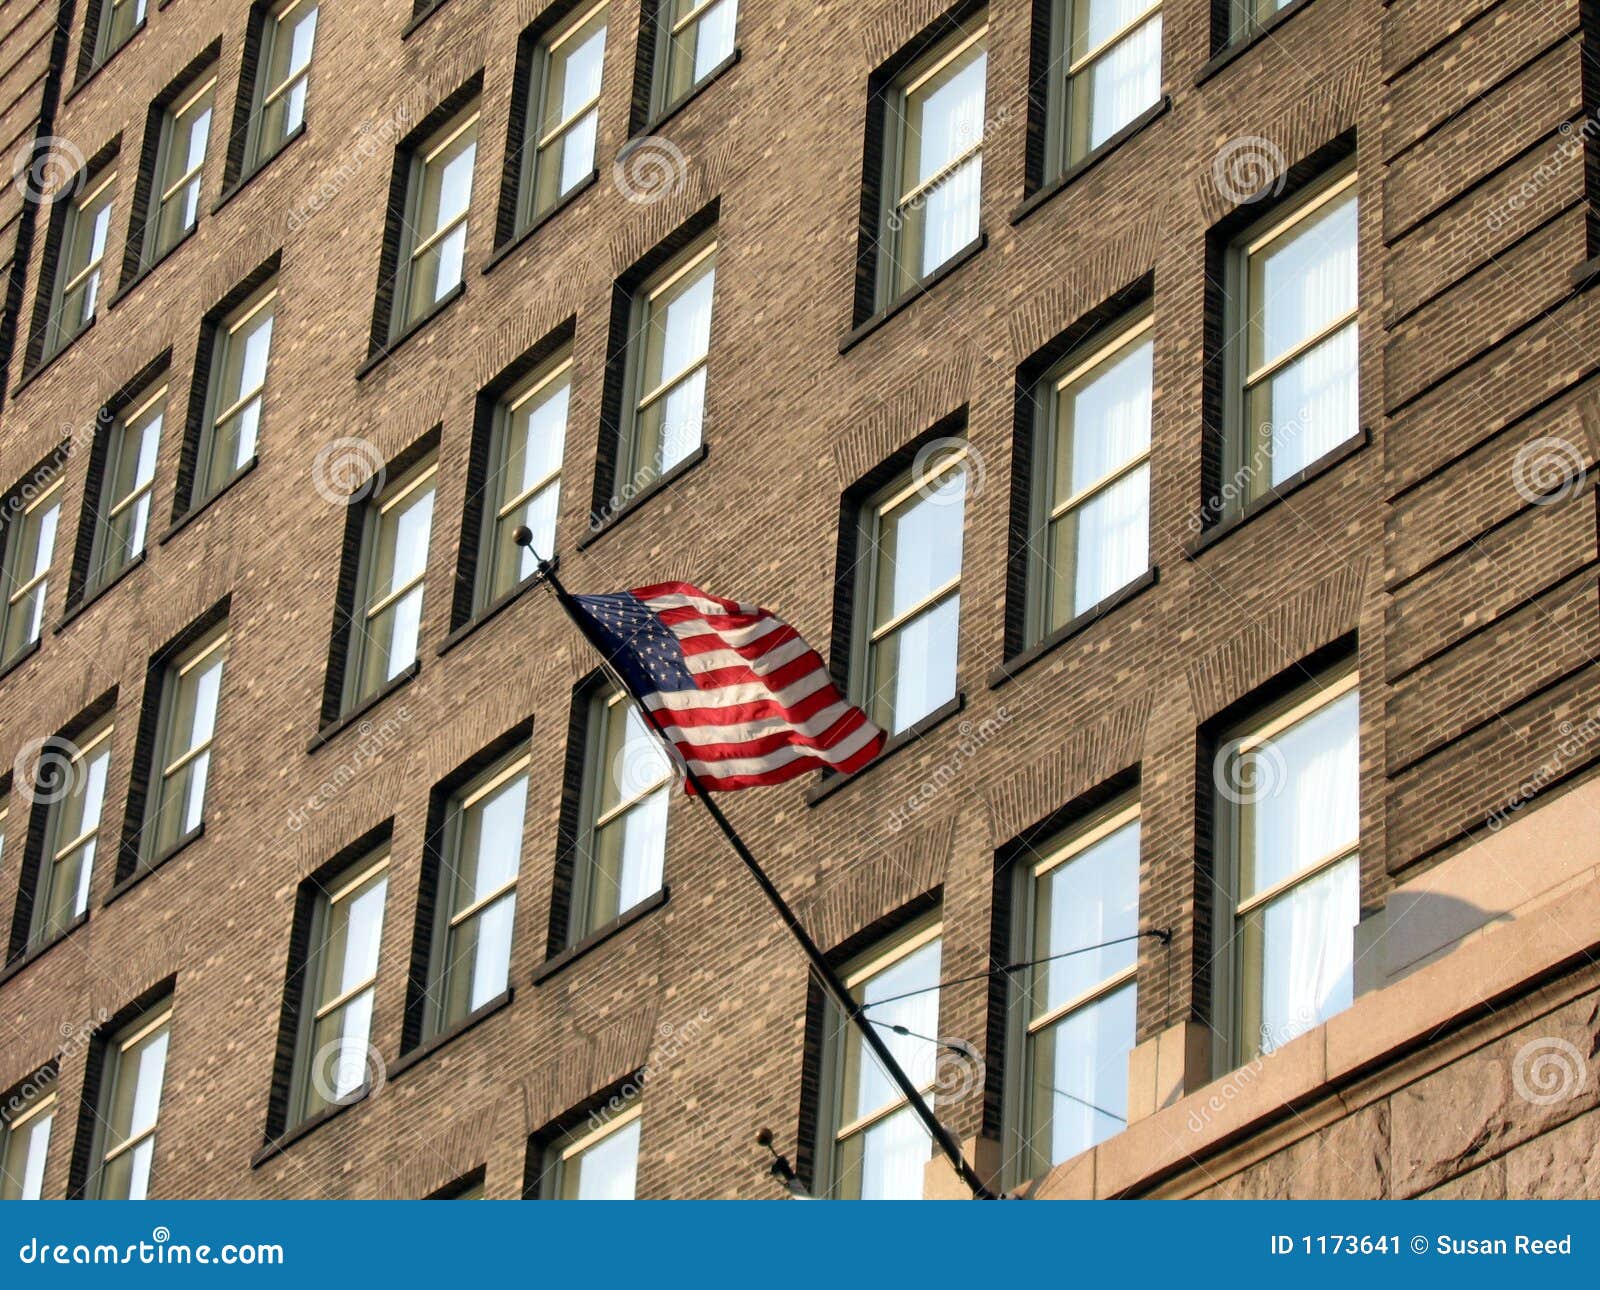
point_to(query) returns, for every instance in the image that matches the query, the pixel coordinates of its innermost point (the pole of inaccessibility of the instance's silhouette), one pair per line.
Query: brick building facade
(1439, 563)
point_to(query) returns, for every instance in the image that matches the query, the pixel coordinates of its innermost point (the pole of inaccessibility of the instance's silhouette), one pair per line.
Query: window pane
(27, 1142)
(944, 117)
(919, 544)
(243, 357)
(605, 1171)
(1304, 798)
(627, 863)
(1103, 420)
(1299, 957)
(1078, 1079)
(913, 668)
(119, 20)
(479, 961)
(1122, 80)
(349, 954)
(1304, 281)
(564, 130)
(386, 640)
(885, 1161)
(487, 855)
(127, 497)
(70, 865)
(179, 199)
(1099, 546)
(339, 1052)
(866, 1086)
(534, 431)
(440, 201)
(679, 331)
(1311, 406)
(32, 549)
(136, 1101)
(697, 48)
(79, 273)
(290, 42)
(191, 720)
(491, 843)
(936, 210)
(1087, 901)
(127, 1177)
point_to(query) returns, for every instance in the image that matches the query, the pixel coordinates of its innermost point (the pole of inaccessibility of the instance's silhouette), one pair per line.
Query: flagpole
(819, 963)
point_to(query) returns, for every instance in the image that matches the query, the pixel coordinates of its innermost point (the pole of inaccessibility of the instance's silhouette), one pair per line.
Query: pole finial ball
(522, 535)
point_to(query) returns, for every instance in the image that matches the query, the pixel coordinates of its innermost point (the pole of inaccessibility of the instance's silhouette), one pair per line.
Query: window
(910, 606)
(1247, 17)
(394, 562)
(130, 1104)
(121, 513)
(30, 545)
(1108, 71)
(693, 40)
(1289, 823)
(524, 485)
(25, 1141)
(341, 974)
(627, 784)
(875, 1147)
(185, 131)
(934, 164)
(599, 1161)
(481, 855)
(71, 833)
(434, 235)
(1074, 1010)
(287, 36)
(187, 724)
(671, 342)
(564, 112)
(238, 378)
(1092, 523)
(1292, 387)
(112, 25)
(77, 275)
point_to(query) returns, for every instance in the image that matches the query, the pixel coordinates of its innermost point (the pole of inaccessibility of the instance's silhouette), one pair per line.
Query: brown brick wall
(1473, 607)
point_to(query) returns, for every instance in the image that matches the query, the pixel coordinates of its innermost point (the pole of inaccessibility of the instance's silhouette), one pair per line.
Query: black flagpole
(819, 963)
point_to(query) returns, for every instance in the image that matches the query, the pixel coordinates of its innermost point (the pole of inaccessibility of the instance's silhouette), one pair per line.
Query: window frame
(409, 245)
(423, 474)
(258, 150)
(1064, 147)
(537, 141)
(1079, 837)
(349, 880)
(866, 634)
(578, 1141)
(157, 1016)
(838, 1033)
(1102, 347)
(597, 702)
(164, 189)
(66, 278)
(678, 275)
(888, 287)
(41, 1102)
(447, 918)
(540, 384)
(671, 27)
(51, 495)
(99, 41)
(53, 851)
(1232, 1047)
(207, 482)
(104, 513)
(165, 764)
(1243, 441)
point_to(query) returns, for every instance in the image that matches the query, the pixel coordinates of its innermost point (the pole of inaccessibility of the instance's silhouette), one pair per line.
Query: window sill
(1091, 159)
(492, 610)
(450, 297)
(83, 82)
(556, 962)
(912, 294)
(20, 657)
(1318, 468)
(30, 957)
(124, 885)
(419, 17)
(832, 781)
(74, 611)
(342, 723)
(239, 184)
(520, 238)
(428, 1047)
(44, 364)
(659, 119)
(1019, 663)
(277, 1146)
(637, 501)
(194, 512)
(1239, 46)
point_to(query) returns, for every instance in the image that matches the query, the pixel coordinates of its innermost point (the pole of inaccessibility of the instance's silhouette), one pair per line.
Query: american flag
(732, 687)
